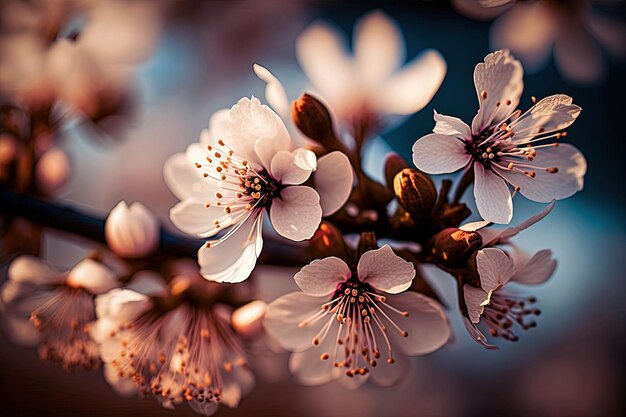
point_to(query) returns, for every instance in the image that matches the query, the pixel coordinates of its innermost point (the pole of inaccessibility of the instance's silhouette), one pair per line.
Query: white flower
(341, 323)
(372, 84)
(54, 309)
(187, 353)
(505, 147)
(492, 305)
(244, 167)
(131, 232)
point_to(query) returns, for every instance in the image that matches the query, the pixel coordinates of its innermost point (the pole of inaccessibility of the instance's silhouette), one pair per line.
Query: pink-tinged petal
(289, 171)
(528, 30)
(496, 236)
(498, 79)
(537, 269)
(495, 268)
(296, 213)
(474, 226)
(305, 159)
(427, 325)
(285, 320)
(477, 334)
(21, 331)
(547, 186)
(385, 271)
(219, 122)
(308, 368)
(451, 126)
(333, 181)
(475, 300)
(33, 270)
(195, 218)
(321, 51)
(92, 276)
(411, 89)
(551, 113)
(184, 180)
(492, 194)
(234, 258)
(322, 276)
(123, 386)
(577, 56)
(378, 47)
(385, 374)
(274, 91)
(439, 154)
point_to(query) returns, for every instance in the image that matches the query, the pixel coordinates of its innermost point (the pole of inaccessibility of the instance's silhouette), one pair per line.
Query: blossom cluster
(282, 183)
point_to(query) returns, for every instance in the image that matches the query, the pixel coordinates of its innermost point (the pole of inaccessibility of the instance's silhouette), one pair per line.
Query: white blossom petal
(496, 236)
(274, 91)
(386, 375)
(477, 334)
(378, 47)
(296, 213)
(412, 88)
(92, 276)
(307, 367)
(492, 194)
(284, 316)
(497, 79)
(233, 259)
(219, 122)
(439, 154)
(547, 186)
(322, 276)
(475, 300)
(30, 269)
(195, 218)
(185, 180)
(333, 181)
(495, 268)
(552, 113)
(385, 271)
(536, 270)
(291, 168)
(427, 325)
(451, 126)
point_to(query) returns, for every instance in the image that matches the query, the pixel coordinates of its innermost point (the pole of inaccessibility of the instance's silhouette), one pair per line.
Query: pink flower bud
(131, 232)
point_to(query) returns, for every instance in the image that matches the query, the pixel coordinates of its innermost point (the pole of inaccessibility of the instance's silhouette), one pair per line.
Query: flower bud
(133, 231)
(314, 120)
(415, 192)
(394, 163)
(92, 276)
(52, 171)
(248, 319)
(454, 246)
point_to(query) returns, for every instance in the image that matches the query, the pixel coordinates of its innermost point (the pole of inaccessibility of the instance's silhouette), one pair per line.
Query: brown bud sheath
(314, 120)
(454, 246)
(394, 163)
(415, 192)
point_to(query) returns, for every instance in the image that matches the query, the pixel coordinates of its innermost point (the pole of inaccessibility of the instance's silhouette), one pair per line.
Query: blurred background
(199, 58)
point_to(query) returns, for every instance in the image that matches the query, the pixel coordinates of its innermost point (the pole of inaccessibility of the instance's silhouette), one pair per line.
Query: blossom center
(505, 310)
(364, 318)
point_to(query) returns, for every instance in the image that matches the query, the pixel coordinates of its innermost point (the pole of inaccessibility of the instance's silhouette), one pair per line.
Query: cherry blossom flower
(346, 319)
(187, 352)
(131, 231)
(244, 167)
(505, 147)
(371, 85)
(569, 30)
(54, 310)
(497, 308)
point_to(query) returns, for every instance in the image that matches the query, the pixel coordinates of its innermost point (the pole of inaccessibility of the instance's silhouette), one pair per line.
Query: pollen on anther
(324, 356)
(552, 170)
(533, 99)
(483, 94)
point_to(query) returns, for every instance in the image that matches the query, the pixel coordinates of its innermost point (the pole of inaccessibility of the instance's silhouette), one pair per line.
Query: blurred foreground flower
(60, 306)
(341, 323)
(505, 147)
(179, 351)
(245, 166)
(532, 30)
(365, 90)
